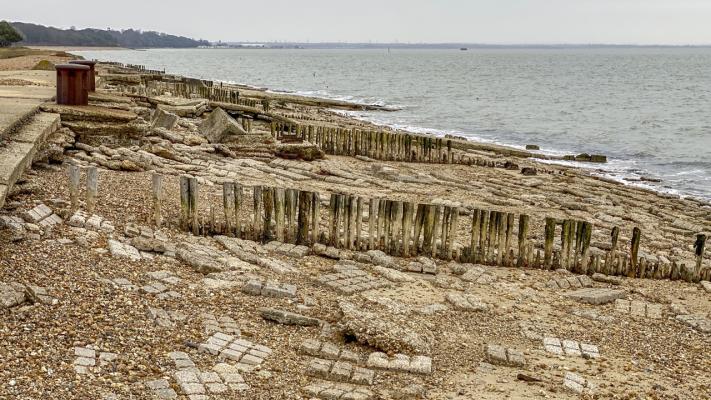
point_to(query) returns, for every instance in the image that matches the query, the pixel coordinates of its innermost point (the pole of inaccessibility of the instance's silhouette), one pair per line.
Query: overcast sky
(435, 21)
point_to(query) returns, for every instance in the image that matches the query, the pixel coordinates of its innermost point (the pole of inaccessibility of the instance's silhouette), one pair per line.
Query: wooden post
(290, 211)
(343, 223)
(634, 252)
(185, 202)
(474, 242)
(350, 209)
(373, 210)
(452, 234)
(279, 213)
(444, 231)
(549, 239)
(315, 216)
(419, 222)
(509, 233)
(428, 228)
(302, 236)
(396, 227)
(257, 219)
(228, 196)
(565, 243)
(615, 235)
(74, 174)
(484, 236)
(494, 218)
(523, 220)
(335, 206)
(157, 191)
(437, 226)
(268, 204)
(585, 246)
(92, 181)
(501, 240)
(359, 223)
(381, 223)
(699, 247)
(193, 195)
(408, 211)
(237, 207)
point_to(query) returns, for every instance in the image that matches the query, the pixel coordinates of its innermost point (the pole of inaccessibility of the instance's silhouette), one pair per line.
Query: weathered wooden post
(452, 233)
(523, 221)
(373, 209)
(359, 222)
(549, 239)
(614, 236)
(279, 213)
(290, 200)
(509, 236)
(315, 216)
(396, 227)
(419, 222)
(257, 218)
(268, 204)
(92, 181)
(74, 174)
(302, 236)
(494, 217)
(239, 193)
(157, 191)
(501, 240)
(185, 202)
(634, 252)
(474, 240)
(228, 196)
(585, 246)
(193, 195)
(699, 247)
(335, 214)
(483, 236)
(407, 214)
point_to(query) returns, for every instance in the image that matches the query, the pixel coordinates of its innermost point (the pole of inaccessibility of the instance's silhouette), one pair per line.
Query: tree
(8, 34)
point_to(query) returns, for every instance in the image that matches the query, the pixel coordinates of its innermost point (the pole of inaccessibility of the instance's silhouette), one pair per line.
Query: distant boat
(463, 49)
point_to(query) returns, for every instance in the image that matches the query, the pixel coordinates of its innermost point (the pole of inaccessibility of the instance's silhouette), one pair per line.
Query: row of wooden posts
(402, 228)
(189, 88)
(408, 229)
(381, 145)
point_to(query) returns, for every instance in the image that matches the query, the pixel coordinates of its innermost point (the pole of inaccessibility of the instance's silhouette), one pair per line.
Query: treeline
(39, 35)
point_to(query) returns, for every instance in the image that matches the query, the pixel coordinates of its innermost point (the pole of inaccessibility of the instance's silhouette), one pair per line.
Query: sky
(671, 22)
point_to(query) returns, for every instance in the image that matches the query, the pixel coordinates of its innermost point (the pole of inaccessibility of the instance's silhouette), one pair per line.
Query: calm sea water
(648, 110)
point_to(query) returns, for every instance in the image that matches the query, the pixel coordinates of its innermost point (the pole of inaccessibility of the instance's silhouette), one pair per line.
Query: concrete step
(13, 112)
(20, 146)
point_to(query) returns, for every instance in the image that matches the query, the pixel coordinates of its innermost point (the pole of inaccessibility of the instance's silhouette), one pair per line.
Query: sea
(647, 109)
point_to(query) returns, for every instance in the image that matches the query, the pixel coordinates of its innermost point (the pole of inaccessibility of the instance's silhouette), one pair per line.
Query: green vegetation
(44, 65)
(8, 34)
(38, 35)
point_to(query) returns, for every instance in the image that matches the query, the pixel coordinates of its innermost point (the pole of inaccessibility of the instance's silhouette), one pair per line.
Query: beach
(217, 240)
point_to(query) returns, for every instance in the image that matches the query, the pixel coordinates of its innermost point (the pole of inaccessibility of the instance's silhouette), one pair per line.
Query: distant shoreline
(74, 48)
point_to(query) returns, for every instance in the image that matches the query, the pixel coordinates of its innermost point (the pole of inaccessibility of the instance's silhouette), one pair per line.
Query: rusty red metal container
(71, 84)
(91, 76)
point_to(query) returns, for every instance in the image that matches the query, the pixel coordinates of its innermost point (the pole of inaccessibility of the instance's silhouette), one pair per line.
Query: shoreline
(634, 179)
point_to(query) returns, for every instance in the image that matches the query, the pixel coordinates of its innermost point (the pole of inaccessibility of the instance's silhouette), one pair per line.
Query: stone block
(500, 355)
(596, 296)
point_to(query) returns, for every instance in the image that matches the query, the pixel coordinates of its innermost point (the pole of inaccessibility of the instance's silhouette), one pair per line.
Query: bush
(8, 34)
(44, 65)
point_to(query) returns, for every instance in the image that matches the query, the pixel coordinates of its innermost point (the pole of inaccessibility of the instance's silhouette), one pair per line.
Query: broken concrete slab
(220, 127)
(596, 296)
